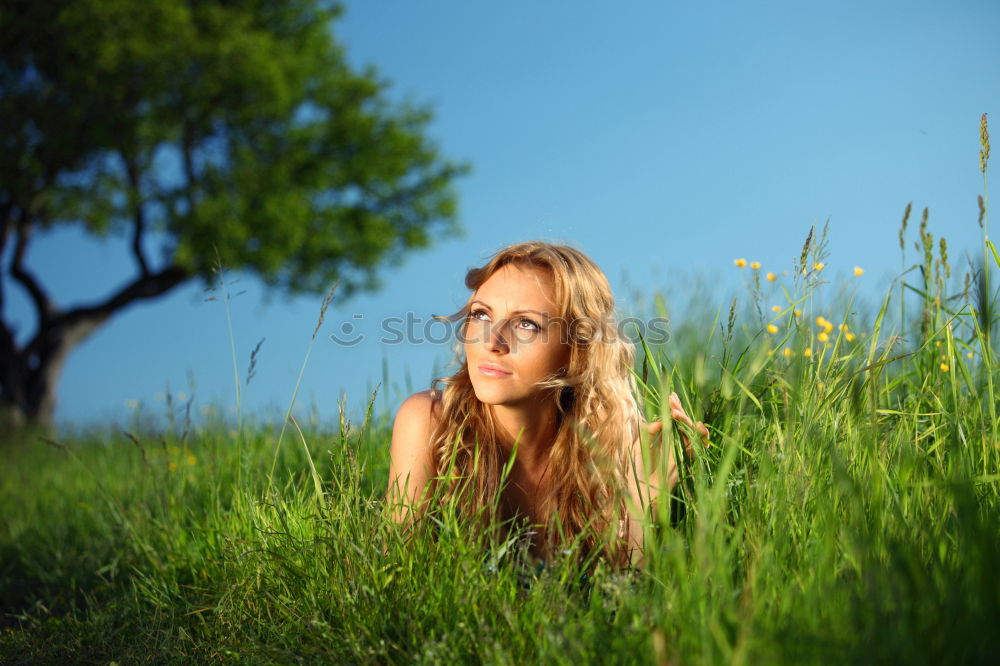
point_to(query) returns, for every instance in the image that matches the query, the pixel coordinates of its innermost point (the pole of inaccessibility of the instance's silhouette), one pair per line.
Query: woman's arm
(412, 463)
(645, 480)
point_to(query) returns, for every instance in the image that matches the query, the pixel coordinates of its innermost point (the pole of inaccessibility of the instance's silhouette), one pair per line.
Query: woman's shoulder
(411, 461)
(418, 413)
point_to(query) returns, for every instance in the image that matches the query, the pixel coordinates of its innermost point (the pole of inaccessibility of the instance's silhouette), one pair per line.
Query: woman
(545, 385)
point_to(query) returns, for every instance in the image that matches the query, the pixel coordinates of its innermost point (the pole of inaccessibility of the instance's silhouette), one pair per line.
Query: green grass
(847, 512)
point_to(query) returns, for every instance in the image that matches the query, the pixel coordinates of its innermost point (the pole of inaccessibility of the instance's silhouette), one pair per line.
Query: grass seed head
(902, 228)
(943, 249)
(732, 320)
(322, 310)
(984, 142)
(805, 249)
(252, 370)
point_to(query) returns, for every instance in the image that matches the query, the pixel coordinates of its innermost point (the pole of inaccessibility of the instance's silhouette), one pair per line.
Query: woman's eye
(480, 315)
(527, 325)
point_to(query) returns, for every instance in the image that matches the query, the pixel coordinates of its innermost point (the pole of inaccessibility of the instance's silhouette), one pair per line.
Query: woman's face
(512, 341)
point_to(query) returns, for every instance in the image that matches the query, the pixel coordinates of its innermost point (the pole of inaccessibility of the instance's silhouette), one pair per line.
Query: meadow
(848, 511)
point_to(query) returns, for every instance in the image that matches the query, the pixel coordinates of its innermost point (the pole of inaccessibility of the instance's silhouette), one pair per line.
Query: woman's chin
(496, 398)
(487, 396)
(489, 393)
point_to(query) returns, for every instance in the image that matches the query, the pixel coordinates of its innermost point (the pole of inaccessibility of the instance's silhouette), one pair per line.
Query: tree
(227, 132)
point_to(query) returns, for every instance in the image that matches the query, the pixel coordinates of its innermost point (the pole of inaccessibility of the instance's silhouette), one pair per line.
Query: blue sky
(664, 139)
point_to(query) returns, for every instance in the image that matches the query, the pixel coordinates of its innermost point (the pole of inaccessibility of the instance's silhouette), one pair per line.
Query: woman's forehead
(515, 287)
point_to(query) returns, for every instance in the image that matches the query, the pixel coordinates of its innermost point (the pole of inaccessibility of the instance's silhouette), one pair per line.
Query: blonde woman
(546, 385)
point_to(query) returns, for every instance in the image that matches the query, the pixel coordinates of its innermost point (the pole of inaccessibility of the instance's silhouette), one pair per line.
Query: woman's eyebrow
(543, 315)
(485, 305)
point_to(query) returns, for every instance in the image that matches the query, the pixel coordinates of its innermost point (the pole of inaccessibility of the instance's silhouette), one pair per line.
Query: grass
(848, 512)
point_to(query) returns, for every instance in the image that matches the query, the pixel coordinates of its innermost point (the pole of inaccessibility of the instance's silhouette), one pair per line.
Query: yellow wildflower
(740, 262)
(755, 265)
(821, 321)
(849, 336)
(823, 337)
(772, 329)
(798, 313)
(191, 460)
(970, 355)
(775, 308)
(771, 277)
(807, 353)
(787, 352)
(944, 367)
(818, 266)
(172, 467)
(937, 343)
(858, 271)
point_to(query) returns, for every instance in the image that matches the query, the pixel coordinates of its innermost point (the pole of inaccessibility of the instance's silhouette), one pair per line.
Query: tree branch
(138, 215)
(43, 304)
(6, 222)
(73, 325)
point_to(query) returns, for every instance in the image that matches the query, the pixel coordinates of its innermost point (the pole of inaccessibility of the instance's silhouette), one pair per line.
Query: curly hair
(594, 395)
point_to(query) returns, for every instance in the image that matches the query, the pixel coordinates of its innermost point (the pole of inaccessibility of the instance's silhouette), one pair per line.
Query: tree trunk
(28, 394)
(30, 375)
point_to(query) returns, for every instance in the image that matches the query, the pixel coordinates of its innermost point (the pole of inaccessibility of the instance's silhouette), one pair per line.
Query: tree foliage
(223, 131)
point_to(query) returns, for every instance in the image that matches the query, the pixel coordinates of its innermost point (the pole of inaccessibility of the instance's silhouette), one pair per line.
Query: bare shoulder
(411, 433)
(417, 414)
(411, 461)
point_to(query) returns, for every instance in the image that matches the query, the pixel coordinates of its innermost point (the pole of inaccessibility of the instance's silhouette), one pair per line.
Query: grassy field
(848, 511)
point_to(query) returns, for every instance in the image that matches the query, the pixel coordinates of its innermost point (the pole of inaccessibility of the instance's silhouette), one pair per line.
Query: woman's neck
(533, 427)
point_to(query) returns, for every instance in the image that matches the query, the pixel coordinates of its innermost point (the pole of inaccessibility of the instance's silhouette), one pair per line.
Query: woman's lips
(491, 370)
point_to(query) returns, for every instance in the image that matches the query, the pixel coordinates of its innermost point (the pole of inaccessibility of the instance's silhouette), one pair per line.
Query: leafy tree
(228, 132)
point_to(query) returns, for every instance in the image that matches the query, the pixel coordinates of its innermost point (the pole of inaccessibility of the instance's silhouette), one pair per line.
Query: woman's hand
(655, 429)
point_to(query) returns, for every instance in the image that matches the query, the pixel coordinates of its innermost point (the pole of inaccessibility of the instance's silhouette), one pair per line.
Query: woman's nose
(496, 337)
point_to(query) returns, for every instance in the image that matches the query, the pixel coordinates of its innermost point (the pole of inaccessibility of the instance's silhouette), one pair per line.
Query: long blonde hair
(595, 399)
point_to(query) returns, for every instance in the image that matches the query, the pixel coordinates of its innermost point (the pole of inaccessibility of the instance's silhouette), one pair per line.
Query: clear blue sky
(662, 138)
